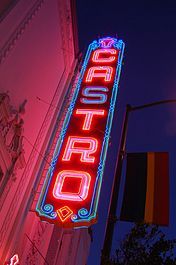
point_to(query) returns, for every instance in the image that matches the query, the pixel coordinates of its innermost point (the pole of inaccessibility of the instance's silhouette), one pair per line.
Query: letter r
(76, 145)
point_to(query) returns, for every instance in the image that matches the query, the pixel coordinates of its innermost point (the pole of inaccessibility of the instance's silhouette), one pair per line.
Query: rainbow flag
(146, 193)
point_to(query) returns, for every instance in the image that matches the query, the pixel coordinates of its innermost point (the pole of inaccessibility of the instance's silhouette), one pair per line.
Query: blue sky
(148, 29)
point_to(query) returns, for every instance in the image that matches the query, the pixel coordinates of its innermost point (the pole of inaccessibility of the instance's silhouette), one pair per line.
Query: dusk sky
(148, 29)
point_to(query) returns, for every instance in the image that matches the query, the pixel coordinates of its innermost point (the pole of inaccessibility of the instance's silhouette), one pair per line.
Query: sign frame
(64, 216)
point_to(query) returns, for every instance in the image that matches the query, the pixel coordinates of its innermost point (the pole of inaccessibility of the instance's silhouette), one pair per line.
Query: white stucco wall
(37, 59)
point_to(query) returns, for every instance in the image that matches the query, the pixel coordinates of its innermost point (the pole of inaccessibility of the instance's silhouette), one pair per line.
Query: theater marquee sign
(72, 187)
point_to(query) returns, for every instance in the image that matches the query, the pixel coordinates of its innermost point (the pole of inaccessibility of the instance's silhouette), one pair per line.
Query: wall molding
(16, 35)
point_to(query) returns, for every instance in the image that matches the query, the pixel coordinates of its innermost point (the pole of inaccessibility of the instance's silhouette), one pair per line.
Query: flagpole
(115, 190)
(105, 255)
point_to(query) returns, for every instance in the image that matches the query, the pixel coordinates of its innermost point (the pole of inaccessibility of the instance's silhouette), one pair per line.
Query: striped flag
(146, 194)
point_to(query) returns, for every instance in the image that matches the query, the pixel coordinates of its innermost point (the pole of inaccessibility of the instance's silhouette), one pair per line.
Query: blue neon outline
(120, 45)
(96, 193)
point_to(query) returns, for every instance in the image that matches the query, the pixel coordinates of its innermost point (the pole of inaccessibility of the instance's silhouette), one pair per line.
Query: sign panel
(72, 187)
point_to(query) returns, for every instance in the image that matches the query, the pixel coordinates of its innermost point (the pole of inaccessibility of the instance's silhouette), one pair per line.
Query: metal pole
(117, 177)
(115, 190)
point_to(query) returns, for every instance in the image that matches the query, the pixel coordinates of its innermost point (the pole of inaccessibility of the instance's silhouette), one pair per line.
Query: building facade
(39, 67)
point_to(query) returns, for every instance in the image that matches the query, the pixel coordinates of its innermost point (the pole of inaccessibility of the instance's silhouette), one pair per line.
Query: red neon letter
(99, 71)
(65, 176)
(89, 116)
(71, 148)
(97, 59)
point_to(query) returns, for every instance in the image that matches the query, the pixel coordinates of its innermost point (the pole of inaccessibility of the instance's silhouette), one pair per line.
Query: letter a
(99, 71)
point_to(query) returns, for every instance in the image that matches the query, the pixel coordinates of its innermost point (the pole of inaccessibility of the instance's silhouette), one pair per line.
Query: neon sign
(72, 187)
(14, 260)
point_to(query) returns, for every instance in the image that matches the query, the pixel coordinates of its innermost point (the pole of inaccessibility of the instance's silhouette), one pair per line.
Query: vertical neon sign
(72, 187)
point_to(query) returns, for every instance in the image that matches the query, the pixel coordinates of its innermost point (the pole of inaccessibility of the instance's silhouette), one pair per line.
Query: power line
(37, 150)
(36, 248)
